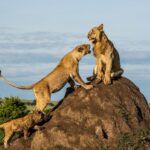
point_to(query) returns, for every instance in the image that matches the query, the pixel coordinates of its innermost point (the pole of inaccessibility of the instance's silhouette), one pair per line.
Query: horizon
(34, 35)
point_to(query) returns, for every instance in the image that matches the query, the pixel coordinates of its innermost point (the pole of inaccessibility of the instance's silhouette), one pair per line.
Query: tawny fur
(22, 125)
(66, 71)
(107, 58)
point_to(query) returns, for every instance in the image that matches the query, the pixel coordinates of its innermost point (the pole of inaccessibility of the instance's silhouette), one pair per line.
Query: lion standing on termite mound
(107, 58)
(66, 71)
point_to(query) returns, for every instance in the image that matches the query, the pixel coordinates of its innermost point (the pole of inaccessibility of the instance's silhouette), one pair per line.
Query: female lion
(107, 58)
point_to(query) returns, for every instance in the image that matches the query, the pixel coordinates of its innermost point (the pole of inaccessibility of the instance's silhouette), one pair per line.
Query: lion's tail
(13, 85)
(117, 73)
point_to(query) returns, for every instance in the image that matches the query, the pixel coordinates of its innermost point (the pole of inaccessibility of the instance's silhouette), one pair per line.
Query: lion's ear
(100, 27)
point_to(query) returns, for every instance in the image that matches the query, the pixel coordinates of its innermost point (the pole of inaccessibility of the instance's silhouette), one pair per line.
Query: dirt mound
(106, 117)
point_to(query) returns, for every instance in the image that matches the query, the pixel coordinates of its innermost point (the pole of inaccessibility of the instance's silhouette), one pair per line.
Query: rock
(103, 118)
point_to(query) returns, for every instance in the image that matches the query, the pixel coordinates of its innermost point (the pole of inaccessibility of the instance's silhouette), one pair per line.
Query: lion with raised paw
(66, 71)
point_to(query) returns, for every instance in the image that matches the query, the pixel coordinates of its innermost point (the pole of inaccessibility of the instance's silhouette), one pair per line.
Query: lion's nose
(89, 52)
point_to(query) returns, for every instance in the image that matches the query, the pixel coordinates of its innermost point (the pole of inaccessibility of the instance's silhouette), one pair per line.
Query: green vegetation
(12, 108)
(138, 141)
(31, 104)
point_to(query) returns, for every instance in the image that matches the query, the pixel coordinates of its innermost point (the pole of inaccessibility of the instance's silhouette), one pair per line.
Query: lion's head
(81, 50)
(95, 34)
(38, 116)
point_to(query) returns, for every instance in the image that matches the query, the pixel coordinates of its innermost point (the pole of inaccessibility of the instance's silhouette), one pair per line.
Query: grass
(30, 105)
(140, 140)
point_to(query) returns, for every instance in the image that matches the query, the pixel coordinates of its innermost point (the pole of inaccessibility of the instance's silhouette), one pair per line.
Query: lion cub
(107, 58)
(66, 71)
(21, 124)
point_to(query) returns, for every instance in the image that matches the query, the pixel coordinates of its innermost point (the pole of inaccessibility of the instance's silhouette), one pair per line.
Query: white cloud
(138, 71)
(18, 69)
(137, 67)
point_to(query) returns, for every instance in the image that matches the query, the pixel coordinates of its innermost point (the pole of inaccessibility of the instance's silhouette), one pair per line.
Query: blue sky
(35, 34)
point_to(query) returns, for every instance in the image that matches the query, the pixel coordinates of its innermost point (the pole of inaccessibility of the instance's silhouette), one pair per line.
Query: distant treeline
(26, 101)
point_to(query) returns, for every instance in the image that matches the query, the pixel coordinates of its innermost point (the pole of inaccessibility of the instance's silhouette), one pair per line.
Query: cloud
(133, 49)
(137, 71)
(37, 44)
(17, 70)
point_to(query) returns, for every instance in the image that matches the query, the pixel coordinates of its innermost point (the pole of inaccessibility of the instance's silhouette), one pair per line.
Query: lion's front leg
(99, 71)
(78, 79)
(7, 138)
(107, 77)
(26, 133)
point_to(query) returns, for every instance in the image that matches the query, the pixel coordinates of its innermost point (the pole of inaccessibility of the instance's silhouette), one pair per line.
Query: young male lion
(107, 58)
(21, 124)
(66, 71)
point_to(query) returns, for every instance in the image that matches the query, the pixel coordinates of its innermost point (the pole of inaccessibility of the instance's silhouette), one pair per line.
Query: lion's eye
(80, 49)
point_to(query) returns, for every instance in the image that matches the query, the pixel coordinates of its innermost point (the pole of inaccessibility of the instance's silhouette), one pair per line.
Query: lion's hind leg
(117, 74)
(42, 98)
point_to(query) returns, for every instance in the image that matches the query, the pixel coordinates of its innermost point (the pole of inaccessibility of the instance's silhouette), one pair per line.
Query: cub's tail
(13, 85)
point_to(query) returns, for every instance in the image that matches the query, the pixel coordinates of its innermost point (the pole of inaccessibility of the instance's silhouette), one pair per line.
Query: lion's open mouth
(93, 40)
(88, 52)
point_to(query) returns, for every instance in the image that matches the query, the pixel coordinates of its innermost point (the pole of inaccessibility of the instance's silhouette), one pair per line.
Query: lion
(66, 71)
(22, 125)
(107, 58)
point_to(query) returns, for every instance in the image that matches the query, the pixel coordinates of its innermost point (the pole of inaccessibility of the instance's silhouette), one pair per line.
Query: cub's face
(38, 116)
(95, 33)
